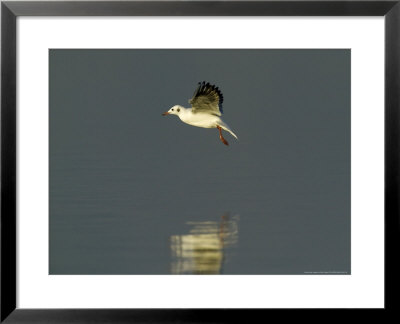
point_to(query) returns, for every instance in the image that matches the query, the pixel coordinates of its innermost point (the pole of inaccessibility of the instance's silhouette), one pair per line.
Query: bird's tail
(224, 126)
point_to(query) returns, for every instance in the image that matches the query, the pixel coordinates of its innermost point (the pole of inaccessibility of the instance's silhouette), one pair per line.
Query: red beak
(165, 114)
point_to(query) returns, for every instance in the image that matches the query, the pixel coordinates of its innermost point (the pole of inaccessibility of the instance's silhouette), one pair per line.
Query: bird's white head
(175, 110)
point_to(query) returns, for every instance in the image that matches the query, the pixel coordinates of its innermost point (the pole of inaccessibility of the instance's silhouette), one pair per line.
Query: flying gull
(206, 110)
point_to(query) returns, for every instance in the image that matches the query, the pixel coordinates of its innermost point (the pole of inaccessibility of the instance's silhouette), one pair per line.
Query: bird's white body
(199, 119)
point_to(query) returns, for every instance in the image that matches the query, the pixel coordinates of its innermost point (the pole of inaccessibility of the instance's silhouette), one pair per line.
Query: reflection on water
(204, 250)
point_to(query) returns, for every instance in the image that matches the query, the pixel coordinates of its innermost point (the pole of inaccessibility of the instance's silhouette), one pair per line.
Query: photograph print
(199, 161)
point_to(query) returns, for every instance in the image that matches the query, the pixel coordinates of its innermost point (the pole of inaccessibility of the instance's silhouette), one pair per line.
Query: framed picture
(186, 161)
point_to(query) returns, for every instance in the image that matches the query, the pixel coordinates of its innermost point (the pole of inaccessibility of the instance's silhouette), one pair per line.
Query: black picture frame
(10, 10)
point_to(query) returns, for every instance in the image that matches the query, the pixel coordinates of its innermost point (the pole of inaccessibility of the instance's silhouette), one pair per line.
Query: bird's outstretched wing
(207, 98)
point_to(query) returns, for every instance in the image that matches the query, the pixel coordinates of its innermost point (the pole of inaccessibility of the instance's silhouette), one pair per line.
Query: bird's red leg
(223, 140)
